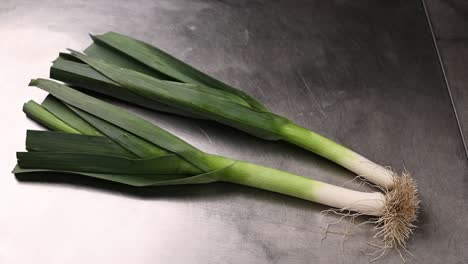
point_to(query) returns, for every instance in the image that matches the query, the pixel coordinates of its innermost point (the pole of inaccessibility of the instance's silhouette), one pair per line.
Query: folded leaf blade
(97, 163)
(183, 96)
(142, 148)
(50, 141)
(139, 180)
(167, 64)
(61, 111)
(125, 120)
(83, 76)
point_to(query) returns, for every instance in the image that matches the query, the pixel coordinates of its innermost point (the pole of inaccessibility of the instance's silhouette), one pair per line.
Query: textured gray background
(450, 25)
(364, 73)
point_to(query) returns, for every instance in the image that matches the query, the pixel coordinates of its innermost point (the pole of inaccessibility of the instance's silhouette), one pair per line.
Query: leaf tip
(29, 102)
(16, 169)
(76, 54)
(25, 105)
(33, 82)
(92, 36)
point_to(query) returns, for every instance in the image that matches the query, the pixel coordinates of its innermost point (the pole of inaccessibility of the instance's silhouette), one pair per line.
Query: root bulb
(397, 221)
(394, 220)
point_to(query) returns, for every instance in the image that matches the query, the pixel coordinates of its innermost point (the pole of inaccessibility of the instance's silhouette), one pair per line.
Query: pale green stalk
(339, 154)
(305, 188)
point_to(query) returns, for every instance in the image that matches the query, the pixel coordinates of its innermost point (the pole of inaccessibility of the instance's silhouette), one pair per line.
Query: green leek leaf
(135, 144)
(167, 87)
(87, 125)
(112, 56)
(65, 114)
(84, 77)
(166, 64)
(138, 180)
(49, 141)
(97, 163)
(260, 123)
(125, 120)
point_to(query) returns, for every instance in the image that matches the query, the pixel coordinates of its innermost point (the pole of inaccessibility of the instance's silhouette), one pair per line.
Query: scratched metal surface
(364, 73)
(450, 25)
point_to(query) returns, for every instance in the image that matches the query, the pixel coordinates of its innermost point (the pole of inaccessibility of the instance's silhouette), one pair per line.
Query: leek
(118, 66)
(395, 211)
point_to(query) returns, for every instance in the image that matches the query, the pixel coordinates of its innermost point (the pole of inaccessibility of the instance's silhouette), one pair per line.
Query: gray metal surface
(364, 73)
(449, 19)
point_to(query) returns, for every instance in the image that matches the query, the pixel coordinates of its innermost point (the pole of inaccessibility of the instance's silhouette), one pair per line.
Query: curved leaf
(84, 77)
(260, 123)
(126, 120)
(167, 64)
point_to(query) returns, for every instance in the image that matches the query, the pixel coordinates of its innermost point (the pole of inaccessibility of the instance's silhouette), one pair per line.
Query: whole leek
(113, 156)
(131, 70)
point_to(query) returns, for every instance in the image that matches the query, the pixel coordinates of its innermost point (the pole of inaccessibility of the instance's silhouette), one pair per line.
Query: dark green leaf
(49, 141)
(68, 116)
(130, 122)
(260, 123)
(112, 56)
(138, 180)
(167, 87)
(142, 148)
(95, 163)
(167, 64)
(85, 77)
